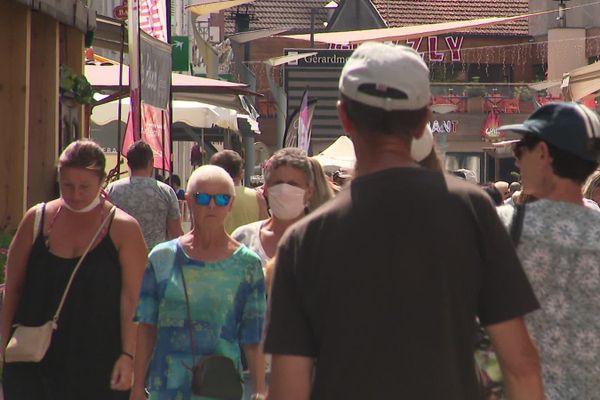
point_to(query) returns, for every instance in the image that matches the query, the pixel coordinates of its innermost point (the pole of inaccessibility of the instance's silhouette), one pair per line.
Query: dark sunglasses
(528, 142)
(221, 200)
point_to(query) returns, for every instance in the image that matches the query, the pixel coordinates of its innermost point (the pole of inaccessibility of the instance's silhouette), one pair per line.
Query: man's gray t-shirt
(150, 202)
(559, 248)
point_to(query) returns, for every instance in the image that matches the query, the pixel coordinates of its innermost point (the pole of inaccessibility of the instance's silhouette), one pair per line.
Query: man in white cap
(375, 294)
(558, 244)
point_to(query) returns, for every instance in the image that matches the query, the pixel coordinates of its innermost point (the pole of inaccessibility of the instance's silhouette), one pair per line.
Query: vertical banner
(298, 131)
(155, 60)
(151, 97)
(153, 18)
(134, 67)
(304, 123)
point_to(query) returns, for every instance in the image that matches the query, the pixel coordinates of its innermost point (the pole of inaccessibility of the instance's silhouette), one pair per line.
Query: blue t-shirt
(227, 302)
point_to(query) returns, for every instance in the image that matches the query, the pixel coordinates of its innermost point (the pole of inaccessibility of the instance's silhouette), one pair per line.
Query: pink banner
(154, 122)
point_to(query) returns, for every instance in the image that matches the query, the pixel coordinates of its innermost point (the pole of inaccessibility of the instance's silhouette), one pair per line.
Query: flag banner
(489, 129)
(154, 122)
(155, 60)
(133, 24)
(298, 131)
(153, 18)
(304, 124)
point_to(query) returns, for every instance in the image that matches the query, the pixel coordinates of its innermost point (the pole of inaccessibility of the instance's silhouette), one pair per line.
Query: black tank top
(87, 342)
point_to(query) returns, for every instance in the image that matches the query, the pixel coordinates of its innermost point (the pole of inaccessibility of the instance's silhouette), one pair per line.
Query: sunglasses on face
(221, 200)
(528, 142)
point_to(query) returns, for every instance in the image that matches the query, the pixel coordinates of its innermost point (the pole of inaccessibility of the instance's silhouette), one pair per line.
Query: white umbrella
(339, 155)
(193, 113)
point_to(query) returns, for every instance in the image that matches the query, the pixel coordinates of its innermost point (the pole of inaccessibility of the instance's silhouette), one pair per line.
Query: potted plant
(75, 87)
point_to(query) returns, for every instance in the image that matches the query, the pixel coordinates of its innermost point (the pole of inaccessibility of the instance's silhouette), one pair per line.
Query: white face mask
(286, 201)
(85, 209)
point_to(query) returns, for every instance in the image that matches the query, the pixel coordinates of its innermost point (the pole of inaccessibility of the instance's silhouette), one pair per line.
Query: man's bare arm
(518, 358)
(290, 378)
(174, 229)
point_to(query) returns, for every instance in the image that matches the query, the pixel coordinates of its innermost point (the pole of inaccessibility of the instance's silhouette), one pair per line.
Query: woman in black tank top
(92, 350)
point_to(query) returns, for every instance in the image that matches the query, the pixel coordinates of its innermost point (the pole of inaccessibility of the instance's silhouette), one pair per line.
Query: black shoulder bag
(213, 376)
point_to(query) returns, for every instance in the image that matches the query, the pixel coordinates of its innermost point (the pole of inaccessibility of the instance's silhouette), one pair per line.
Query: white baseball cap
(387, 76)
(420, 148)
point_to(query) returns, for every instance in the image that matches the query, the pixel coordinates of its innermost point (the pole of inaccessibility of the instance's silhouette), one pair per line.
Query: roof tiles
(293, 14)
(397, 13)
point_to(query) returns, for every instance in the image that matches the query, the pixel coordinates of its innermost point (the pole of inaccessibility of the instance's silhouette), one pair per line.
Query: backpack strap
(516, 227)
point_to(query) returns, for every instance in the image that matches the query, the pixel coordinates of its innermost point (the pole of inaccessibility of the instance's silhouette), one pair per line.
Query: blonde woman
(323, 191)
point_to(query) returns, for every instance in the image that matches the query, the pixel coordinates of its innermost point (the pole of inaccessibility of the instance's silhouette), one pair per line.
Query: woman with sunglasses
(226, 290)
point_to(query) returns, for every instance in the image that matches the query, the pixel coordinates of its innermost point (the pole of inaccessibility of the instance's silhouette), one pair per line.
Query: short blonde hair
(210, 173)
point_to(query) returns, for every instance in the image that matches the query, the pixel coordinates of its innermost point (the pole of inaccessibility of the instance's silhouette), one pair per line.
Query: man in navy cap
(559, 244)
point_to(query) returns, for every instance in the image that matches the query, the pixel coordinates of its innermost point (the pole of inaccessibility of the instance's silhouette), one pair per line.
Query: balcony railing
(482, 98)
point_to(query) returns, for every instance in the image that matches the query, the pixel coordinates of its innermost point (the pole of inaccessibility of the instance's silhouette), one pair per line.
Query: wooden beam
(43, 109)
(15, 21)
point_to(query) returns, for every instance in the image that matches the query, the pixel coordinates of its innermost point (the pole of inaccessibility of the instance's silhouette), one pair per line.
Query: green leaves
(76, 85)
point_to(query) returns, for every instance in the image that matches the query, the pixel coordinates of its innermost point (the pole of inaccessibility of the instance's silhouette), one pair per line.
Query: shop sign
(323, 58)
(454, 44)
(432, 47)
(120, 11)
(443, 126)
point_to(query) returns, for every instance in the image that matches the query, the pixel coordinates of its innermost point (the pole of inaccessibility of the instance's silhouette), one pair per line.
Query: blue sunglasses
(221, 200)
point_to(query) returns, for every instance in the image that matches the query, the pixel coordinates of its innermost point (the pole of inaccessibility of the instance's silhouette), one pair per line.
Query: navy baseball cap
(568, 126)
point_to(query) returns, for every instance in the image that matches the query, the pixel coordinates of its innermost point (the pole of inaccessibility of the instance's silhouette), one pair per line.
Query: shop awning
(192, 113)
(209, 7)
(581, 82)
(105, 78)
(245, 37)
(408, 32)
(275, 61)
(539, 86)
(110, 33)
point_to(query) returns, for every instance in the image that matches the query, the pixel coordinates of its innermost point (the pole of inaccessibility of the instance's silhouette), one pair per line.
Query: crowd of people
(383, 285)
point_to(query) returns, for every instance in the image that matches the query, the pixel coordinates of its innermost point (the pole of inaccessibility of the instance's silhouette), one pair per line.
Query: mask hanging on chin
(286, 201)
(85, 209)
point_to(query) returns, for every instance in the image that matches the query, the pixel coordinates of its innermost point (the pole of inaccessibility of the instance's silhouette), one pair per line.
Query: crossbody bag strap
(189, 316)
(516, 227)
(87, 250)
(38, 219)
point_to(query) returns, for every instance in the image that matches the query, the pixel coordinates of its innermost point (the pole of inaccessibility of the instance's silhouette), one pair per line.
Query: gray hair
(290, 157)
(210, 173)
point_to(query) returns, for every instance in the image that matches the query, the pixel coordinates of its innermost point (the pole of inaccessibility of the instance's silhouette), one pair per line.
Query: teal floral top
(227, 300)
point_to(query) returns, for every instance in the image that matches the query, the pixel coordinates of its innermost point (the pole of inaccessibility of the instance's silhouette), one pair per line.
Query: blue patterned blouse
(227, 300)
